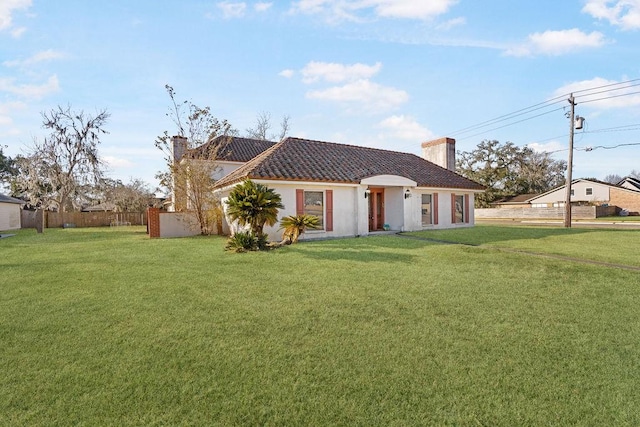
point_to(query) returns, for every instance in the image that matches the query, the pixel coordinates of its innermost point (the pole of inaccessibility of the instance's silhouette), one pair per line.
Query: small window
(427, 209)
(589, 191)
(573, 192)
(314, 205)
(459, 209)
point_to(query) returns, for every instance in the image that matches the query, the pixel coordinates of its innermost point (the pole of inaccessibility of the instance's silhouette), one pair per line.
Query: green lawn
(107, 327)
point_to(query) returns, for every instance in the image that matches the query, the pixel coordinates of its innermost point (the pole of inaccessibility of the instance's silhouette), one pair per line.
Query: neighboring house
(519, 201)
(630, 182)
(354, 190)
(10, 209)
(585, 191)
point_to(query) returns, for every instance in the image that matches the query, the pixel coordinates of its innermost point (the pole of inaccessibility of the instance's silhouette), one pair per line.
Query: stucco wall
(9, 216)
(351, 209)
(178, 224)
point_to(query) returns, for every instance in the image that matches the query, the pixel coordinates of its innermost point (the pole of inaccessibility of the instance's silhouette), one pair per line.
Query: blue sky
(380, 73)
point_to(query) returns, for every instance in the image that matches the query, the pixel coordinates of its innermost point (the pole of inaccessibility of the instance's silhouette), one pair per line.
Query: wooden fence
(577, 212)
(84, 219)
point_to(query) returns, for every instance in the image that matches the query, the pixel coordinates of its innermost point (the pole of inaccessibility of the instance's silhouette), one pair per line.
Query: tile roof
(230, 148)
(295, 159)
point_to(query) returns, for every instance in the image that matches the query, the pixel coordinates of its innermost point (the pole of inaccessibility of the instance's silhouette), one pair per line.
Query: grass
(107, 327)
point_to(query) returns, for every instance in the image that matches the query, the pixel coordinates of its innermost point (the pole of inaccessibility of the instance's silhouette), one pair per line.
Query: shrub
(242, 241)
(295, 225)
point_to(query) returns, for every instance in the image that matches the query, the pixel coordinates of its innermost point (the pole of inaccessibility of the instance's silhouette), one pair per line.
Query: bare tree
(58, 170)
(612, 178)
(261, 128)
(190, 180)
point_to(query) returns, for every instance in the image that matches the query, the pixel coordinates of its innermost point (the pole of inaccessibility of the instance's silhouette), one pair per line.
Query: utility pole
(567, 202)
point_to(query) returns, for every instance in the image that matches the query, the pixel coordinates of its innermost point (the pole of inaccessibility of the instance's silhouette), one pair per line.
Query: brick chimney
(179, 147)
(441, 151)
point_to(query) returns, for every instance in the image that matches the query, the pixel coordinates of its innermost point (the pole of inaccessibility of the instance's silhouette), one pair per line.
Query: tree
(254, 205)
(134, 196)
(191, 180)
(8, 169)
(612, 178)
(59, 169)
(262, 126)
(508, 170)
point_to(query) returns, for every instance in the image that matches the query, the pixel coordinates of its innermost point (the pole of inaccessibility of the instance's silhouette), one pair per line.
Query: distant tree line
(508, 170)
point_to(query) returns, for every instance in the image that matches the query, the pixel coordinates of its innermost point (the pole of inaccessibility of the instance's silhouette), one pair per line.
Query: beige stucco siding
(9, 216)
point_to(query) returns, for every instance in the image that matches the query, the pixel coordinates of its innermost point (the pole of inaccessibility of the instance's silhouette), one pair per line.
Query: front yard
(108, 327)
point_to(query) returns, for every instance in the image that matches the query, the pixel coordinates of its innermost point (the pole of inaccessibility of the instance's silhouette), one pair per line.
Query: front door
(376, 209)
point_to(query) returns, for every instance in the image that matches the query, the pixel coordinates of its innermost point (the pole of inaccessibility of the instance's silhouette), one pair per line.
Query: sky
(387, 74)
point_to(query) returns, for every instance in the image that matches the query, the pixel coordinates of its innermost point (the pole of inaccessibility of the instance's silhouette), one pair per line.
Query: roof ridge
(351, 145)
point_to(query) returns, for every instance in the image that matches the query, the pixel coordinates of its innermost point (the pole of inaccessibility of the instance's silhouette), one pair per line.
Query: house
(355, 191)
(591, 192)
(10, 211)
(519, 201)
(630, 182)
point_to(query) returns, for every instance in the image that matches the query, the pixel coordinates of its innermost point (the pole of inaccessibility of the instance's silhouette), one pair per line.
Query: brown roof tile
(296, 159)
(230, 148)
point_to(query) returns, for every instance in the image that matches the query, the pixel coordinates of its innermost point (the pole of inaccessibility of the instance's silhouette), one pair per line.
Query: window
(573, 192)
(459, 209)
(589, 191)
(314, 205)
(427, 209)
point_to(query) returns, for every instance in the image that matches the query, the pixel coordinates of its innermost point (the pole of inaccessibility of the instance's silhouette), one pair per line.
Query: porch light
(366, 193)
(407, 194)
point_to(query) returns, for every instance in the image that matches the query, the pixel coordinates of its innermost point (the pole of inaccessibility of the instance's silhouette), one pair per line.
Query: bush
(244, 241)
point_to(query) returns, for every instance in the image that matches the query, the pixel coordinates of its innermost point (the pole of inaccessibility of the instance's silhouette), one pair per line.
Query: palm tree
(295, 225)
(254, 205)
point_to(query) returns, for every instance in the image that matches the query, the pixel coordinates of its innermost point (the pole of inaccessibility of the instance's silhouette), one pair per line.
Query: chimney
(441, 151)
(179, 147)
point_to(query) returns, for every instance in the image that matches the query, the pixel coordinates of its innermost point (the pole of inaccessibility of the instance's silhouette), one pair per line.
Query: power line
(546, 104)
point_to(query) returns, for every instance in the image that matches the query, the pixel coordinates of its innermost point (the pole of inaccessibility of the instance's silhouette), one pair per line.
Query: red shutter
(466, 208)
(329, 203)
(299, 202)
(453, 208)
(435, 208)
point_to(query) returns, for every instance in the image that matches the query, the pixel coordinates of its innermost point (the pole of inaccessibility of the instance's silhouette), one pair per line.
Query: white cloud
(623, 13)
(16, 33)
(6, 121)
(610, 93)
(366, 95)
(412, 9)
(7, 7)
(349, 10)
(116, 162)
(547, 146)
(232, 10)
(46, 55)
(555, 43)
(405, 127)
(447, 25)
(262, 6)
(30, 90)
(287, 73)
(336, 73)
